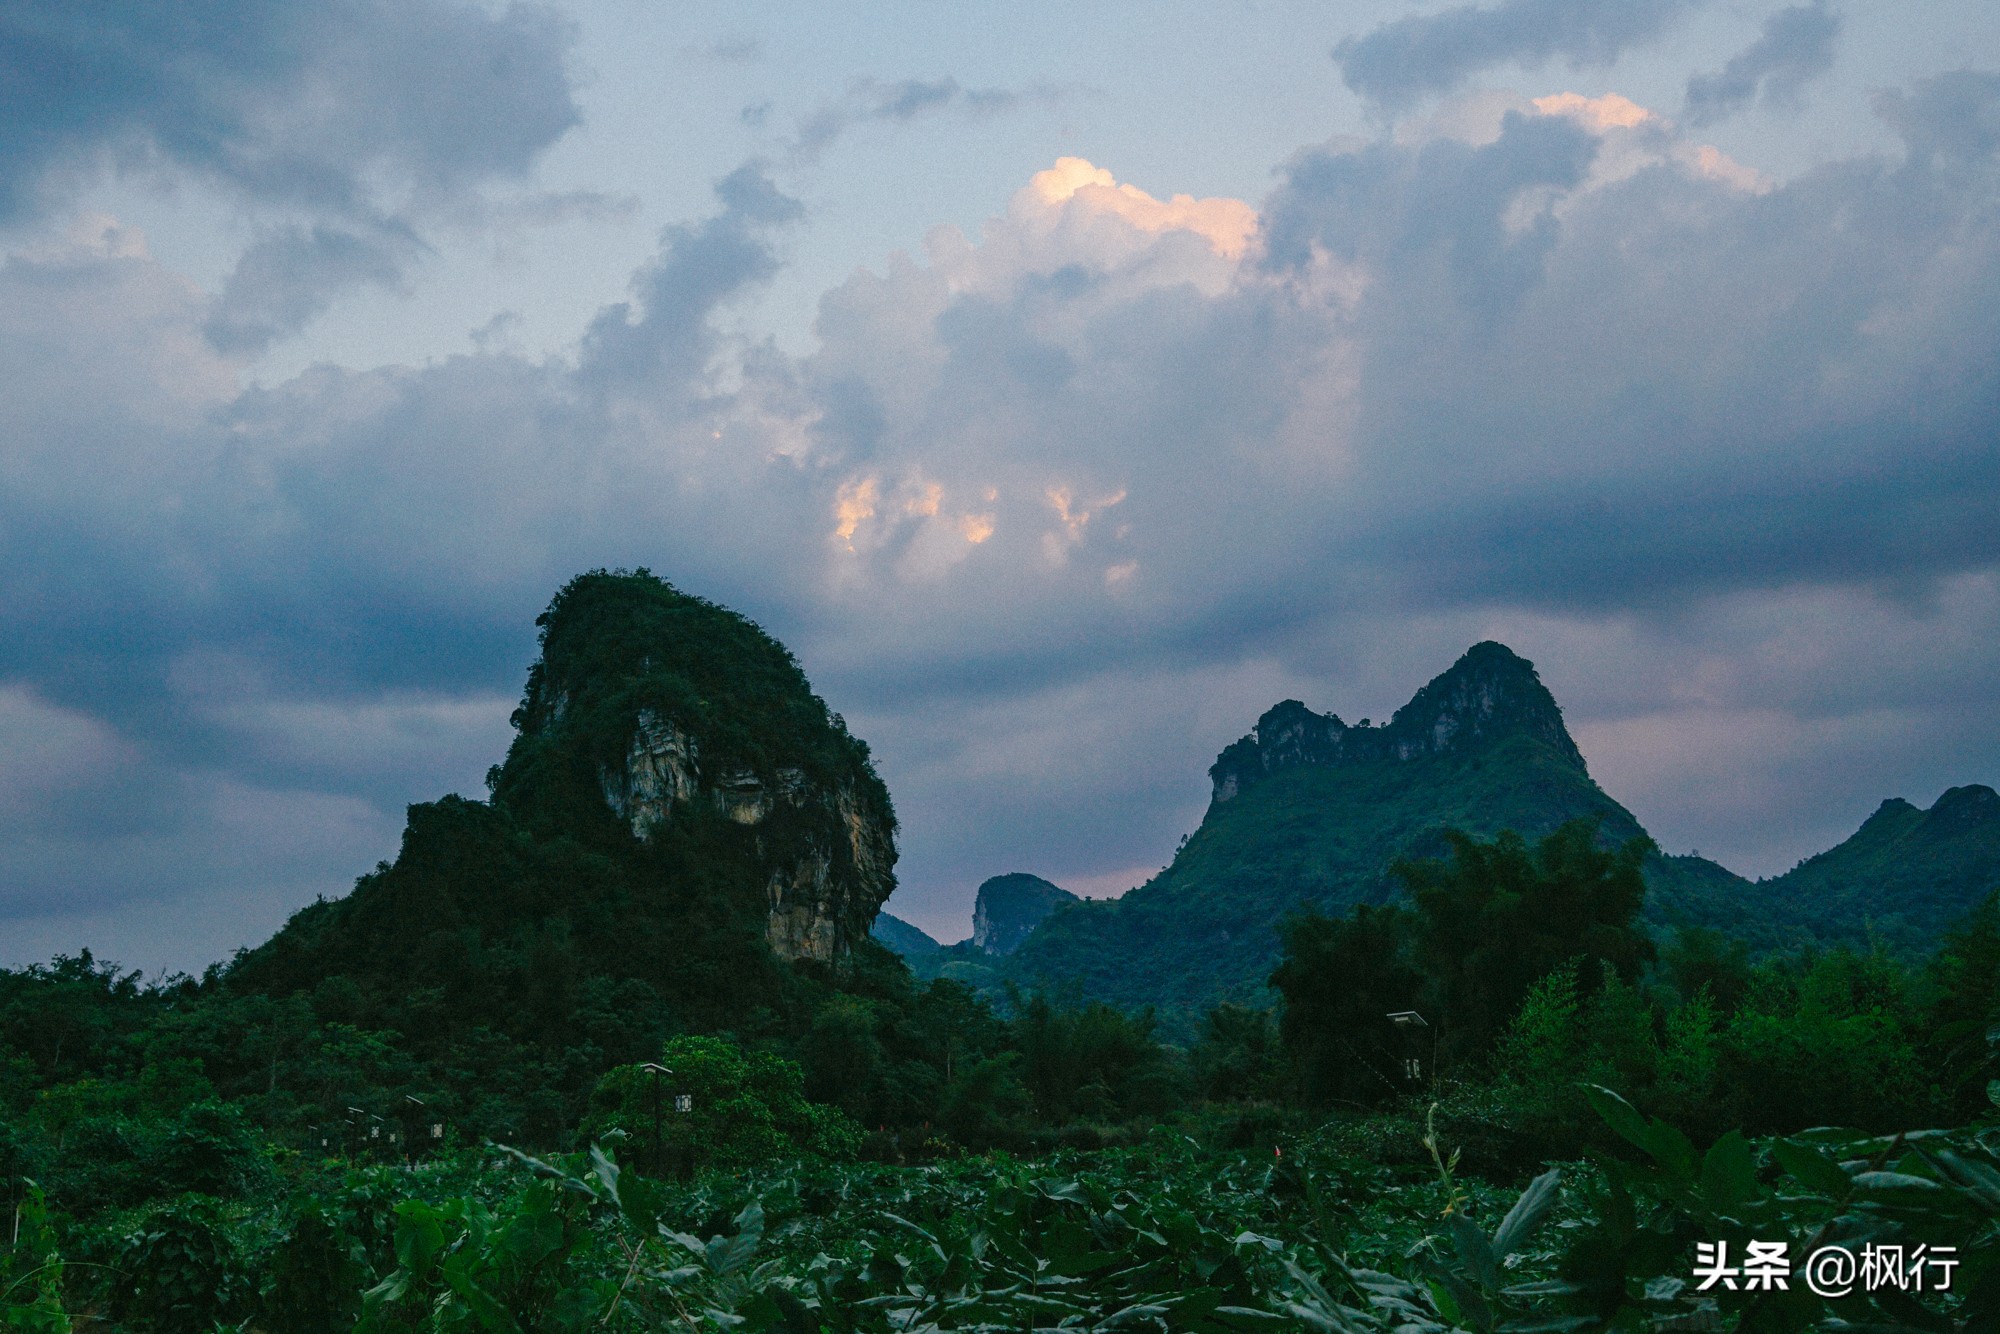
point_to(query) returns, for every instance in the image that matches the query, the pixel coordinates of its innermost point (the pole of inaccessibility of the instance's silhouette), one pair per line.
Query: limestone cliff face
(688, 718)
(1488, 693)
(824, 892)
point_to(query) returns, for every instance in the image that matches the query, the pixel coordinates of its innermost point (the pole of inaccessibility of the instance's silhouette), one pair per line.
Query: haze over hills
(1310, 812)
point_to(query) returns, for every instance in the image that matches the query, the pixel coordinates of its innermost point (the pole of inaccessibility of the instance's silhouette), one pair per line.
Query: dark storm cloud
(1441, 211)
(1797, 44)
(1669, 410)
(1410, 58)
(359, 115)
(698, 268)
(286, 102)
(168, 554)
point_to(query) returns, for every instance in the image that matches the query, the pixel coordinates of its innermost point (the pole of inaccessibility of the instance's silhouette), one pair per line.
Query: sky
(1064, 388)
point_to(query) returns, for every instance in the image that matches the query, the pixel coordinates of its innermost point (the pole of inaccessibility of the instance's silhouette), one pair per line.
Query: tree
(746, 1107)
(1481, 929)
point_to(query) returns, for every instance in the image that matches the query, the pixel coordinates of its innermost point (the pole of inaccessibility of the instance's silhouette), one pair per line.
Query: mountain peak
(1489, 693)
(679, 718)
(1010, 906)
(1971, 805)
(1491, 690)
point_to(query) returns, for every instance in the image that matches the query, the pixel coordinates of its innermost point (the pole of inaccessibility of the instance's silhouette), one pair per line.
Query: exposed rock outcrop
(1011, 906)
(686, 713)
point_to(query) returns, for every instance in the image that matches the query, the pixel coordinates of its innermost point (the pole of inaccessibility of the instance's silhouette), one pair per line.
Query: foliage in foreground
(1162, 1238)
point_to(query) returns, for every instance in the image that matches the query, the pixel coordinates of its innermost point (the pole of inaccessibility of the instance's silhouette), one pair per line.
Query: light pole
(356, 1118)
(413, 1106)
(655, 1069)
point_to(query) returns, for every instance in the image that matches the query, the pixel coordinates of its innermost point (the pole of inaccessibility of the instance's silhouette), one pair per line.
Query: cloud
(1949, 121)
(290, 275)
(871, 100)
(341, 125)
(698, 268)
(1407, 59)
(285, 102)
(1100, 481)
(737, 50)
(1797, 44)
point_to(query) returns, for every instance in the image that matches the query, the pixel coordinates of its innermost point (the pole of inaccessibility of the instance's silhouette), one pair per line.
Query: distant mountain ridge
(900, 936)
(1309, 812)
(1905, 875)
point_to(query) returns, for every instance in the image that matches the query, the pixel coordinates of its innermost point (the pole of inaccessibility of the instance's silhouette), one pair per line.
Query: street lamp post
(656, 1070)
(413, 1106)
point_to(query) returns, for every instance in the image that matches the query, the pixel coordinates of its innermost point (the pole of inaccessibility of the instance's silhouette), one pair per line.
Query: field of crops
(1163, 1237)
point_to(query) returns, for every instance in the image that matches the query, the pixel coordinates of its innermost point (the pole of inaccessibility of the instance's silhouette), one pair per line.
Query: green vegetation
(1208, 928)
(1483, 929)
(859, 1171)
(1313, 816)
(1905, 876)
(453, 1100)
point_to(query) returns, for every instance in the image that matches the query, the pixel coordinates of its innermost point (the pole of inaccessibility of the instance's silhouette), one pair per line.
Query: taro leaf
(1667, 1146)
(1063, 1190)
(726, 1255)
(533, 1235)
(1974, 1178)
(1620, 1115)
(575, 1308)
(777, 1309)
(1811, 1168)
(1253, 1239)
(458, 1273)
(1729, 1172)
(1910, 1315)
(606, 1170)
(1528, 1213)
(1249, 1317)
(1665, 1288)
(642, 1202)
(1194, 1309)
(1142, 1314)
(1475, 1250)
(1070, 1250)
(419, 1236)
(1901, 1191)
